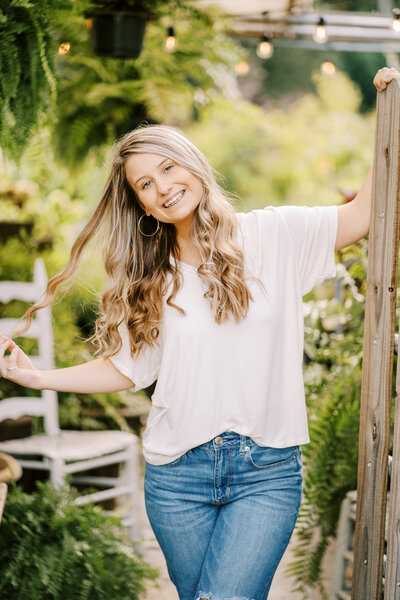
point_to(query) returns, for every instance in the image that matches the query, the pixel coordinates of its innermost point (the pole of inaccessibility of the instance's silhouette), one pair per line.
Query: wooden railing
(376, 393)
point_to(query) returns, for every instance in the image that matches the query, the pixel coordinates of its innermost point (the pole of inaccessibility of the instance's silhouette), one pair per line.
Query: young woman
(207, 302)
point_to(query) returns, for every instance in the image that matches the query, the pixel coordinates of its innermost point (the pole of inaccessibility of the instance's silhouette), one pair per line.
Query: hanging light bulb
(242, 67)
(64, 48)
(170, 40)
(328, 68)
(265, 48)
(396, 20)
(320, 33)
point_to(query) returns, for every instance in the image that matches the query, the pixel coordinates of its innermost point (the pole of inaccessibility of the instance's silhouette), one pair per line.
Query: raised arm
(95, 377)
(354, 217)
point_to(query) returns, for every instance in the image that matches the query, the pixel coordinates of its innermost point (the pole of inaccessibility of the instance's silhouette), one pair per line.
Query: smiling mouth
(175, 199)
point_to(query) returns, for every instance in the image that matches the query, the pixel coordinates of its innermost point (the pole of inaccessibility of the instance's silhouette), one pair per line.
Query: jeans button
(218, 440)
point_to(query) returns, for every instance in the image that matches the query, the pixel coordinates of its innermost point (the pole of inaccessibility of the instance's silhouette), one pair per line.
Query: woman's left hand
(384, 76)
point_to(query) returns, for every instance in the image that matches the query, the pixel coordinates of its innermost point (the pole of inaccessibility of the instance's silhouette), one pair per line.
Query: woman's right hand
(97, 376)
(16, 367)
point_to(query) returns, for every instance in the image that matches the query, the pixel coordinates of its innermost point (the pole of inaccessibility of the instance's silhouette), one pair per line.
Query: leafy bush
(333, 357)
(295, 155)
(27, 71)
(101, 99)
(51, 214)
(51, 549)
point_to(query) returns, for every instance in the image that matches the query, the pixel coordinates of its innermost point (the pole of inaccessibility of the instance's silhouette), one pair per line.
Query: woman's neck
(188, 253)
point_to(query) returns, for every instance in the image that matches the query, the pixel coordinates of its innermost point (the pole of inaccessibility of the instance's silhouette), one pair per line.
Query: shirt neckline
(187, 266)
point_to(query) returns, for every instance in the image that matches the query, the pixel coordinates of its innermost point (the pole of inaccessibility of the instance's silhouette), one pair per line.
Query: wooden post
(376, 393)
(392, 579)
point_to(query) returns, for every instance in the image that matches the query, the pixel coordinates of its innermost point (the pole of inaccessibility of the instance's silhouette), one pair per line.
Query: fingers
(7, 344)
(385, 76)
(12, 359)
(4, 338)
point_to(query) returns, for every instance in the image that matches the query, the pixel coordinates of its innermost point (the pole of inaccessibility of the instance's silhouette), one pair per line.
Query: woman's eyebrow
(158, 166)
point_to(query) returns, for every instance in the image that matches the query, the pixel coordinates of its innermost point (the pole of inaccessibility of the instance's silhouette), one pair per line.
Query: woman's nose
(164, 187)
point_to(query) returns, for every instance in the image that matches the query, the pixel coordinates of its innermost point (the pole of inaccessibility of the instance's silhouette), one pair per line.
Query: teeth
(174, 200)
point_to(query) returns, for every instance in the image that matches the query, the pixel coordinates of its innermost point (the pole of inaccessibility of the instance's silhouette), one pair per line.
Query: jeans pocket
(266, 457)
(173, 463)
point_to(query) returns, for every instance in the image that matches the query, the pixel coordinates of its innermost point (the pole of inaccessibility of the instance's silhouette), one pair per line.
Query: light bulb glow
(64, 48)
(265, 49)
(242, 67)
(170, 40)
(320, 35)
(170, 44)
(328, 68)
(396, 23)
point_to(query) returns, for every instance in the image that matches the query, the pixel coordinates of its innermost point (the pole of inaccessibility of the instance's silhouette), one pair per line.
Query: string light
(265, 48)
(328, 68)
(170, 40)
(242, 68)
(89, 23)
(396, 20)
(320, 35)
(64, 48)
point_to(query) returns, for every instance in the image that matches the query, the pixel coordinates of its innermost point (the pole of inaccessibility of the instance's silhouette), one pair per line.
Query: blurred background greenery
(283, 134)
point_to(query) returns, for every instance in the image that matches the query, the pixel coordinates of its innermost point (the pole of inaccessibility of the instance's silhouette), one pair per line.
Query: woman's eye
(144, 186)
(168, 167)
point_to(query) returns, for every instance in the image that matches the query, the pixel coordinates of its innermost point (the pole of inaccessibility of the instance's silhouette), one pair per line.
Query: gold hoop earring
(147, 234)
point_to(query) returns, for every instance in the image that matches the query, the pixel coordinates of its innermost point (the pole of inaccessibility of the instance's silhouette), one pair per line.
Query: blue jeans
(223, 514)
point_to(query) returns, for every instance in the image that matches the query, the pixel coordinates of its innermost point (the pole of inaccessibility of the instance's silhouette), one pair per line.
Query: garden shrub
(332, 373)
(51, 549)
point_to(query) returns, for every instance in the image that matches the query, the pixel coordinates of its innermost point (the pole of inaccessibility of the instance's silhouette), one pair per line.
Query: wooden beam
(376, 393)
(392, 579)
(332, 17)
(340, 46)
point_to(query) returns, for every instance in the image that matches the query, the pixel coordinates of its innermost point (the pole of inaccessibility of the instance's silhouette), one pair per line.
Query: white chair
(3, 497)
(63, 453)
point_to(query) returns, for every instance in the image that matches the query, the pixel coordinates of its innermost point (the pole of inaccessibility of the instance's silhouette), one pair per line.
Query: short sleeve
(313, 233)
(143, 369)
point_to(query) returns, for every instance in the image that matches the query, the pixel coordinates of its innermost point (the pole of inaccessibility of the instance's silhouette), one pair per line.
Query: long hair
(140, 272)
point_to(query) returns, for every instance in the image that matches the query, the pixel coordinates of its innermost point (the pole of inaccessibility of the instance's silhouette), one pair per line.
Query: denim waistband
(227, 439)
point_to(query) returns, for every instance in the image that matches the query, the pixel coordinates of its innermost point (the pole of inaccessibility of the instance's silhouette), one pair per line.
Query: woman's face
(166, 190)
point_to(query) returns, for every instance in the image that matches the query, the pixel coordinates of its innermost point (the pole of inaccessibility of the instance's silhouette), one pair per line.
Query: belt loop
(242, 444)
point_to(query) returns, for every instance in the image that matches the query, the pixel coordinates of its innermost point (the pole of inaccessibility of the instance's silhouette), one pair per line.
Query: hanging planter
(118, 34)
(117, 27)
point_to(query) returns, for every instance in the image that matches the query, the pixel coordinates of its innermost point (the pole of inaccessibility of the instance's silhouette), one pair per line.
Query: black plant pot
(117, 34)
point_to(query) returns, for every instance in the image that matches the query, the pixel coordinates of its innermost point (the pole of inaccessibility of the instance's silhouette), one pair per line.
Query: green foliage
(299, 64)
(100, 99)
(27, 70)
(53, 214)
(362, 68)
(298, 155)
(333, 354)
(51, 549)
(353, 5)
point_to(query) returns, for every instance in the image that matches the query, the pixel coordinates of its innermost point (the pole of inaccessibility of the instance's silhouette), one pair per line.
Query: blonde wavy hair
(139, 269)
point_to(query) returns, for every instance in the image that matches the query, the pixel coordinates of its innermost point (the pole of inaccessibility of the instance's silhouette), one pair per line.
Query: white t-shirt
(244, 377)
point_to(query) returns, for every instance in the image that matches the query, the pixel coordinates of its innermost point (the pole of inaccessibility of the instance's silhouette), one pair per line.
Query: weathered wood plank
(378, 352)
(392, 579)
